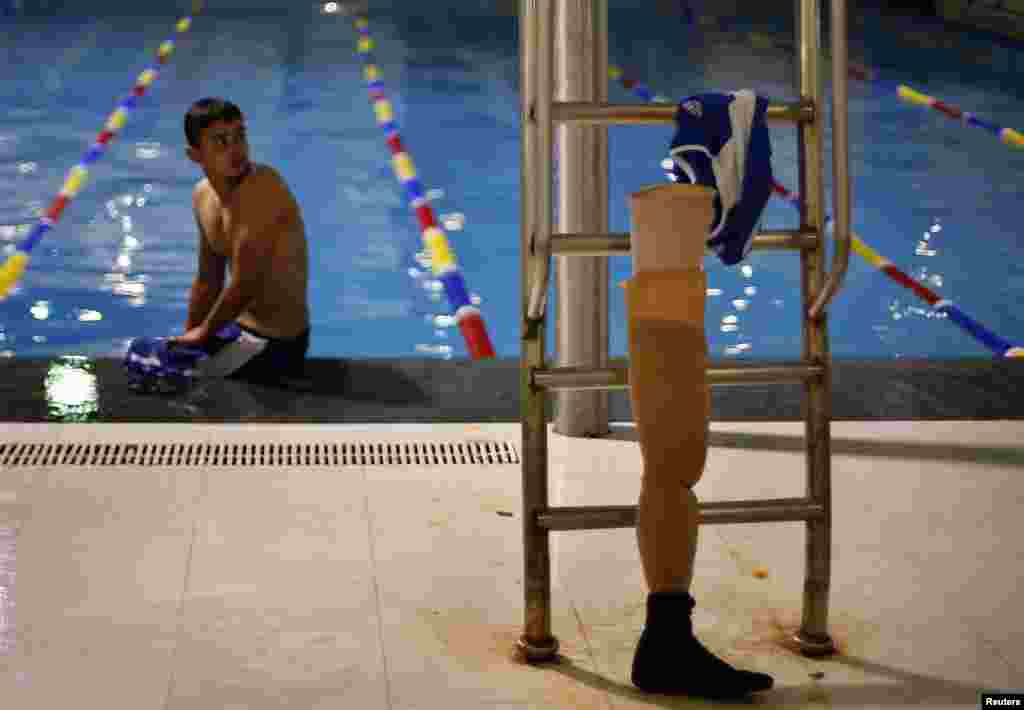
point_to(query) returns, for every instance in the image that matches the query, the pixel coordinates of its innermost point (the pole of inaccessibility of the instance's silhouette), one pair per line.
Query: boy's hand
(194, 337)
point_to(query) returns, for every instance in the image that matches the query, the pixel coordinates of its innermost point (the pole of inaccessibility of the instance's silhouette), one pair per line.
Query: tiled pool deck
(399, 587)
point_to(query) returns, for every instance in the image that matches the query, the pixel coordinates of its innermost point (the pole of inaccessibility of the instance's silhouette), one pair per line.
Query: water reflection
(40, 310)
(924, 248)
(737, 300)
(71, 392)
(147, 151)
(899, 310)
(737, 349)
(443, 351)
(118, 279)
(453, 222)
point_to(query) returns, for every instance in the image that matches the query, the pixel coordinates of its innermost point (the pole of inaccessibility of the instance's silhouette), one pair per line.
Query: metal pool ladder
(539, 113)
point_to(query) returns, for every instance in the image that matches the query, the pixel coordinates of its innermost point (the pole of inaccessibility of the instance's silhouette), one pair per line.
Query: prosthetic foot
(670, 660)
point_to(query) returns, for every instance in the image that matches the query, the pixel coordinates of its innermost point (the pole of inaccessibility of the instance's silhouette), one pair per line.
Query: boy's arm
(209, 281)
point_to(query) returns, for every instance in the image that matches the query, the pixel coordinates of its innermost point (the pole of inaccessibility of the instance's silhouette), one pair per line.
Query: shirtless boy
(257, 328)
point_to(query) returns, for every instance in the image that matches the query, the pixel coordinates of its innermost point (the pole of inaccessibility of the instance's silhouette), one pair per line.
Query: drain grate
(366, 453)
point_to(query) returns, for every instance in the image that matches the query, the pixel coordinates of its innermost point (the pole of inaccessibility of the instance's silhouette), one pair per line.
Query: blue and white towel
(158, 364)
(722, 141)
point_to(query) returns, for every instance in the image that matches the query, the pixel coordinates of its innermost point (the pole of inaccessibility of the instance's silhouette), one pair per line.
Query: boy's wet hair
(206, 111)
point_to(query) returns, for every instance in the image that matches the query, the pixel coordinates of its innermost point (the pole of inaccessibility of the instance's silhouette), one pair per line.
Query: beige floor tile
(448, 552)
(8, 592)
(16, 484)
(31, 432)
(464, 657)
(91, 663)
(281, 604)
(331, 663)
(1006, 644)
(464, 521)
(282, 539)
(99, 564)
(149, 431)
(249, 433)
(107, 542)
(595, 471)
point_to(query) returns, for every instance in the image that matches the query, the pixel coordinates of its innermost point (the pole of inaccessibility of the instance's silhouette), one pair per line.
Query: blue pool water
(940, 200)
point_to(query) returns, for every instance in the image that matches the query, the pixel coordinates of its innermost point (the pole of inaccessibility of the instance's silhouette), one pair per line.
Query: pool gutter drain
(276, 454)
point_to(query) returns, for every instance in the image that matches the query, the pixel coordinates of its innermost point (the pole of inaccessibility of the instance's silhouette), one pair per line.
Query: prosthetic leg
(671, 406)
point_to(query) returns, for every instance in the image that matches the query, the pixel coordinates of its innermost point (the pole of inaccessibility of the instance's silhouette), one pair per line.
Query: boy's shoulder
(264, 182)
(199, 192)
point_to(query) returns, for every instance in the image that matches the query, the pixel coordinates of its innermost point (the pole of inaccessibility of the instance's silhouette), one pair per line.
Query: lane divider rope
(1009, 136)
(13, 268)
(442, 257)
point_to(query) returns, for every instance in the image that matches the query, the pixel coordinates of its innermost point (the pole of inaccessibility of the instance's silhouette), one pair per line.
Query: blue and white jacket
(722, 141)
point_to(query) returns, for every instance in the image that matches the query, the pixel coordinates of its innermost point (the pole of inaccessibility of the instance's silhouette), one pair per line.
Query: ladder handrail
(840, 161)
(540, 110)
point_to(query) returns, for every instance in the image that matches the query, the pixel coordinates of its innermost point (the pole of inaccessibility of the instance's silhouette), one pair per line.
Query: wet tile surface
(430, 391)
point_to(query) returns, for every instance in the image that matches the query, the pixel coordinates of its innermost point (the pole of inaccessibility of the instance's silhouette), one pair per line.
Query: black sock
(670, 660)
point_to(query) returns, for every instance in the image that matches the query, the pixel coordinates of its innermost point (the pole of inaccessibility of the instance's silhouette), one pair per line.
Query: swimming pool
(940, 200)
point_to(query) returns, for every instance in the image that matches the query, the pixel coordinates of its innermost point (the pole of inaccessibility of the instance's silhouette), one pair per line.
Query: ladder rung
(601, 113)
(617, 244)
(715, 512)
(605, 378)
